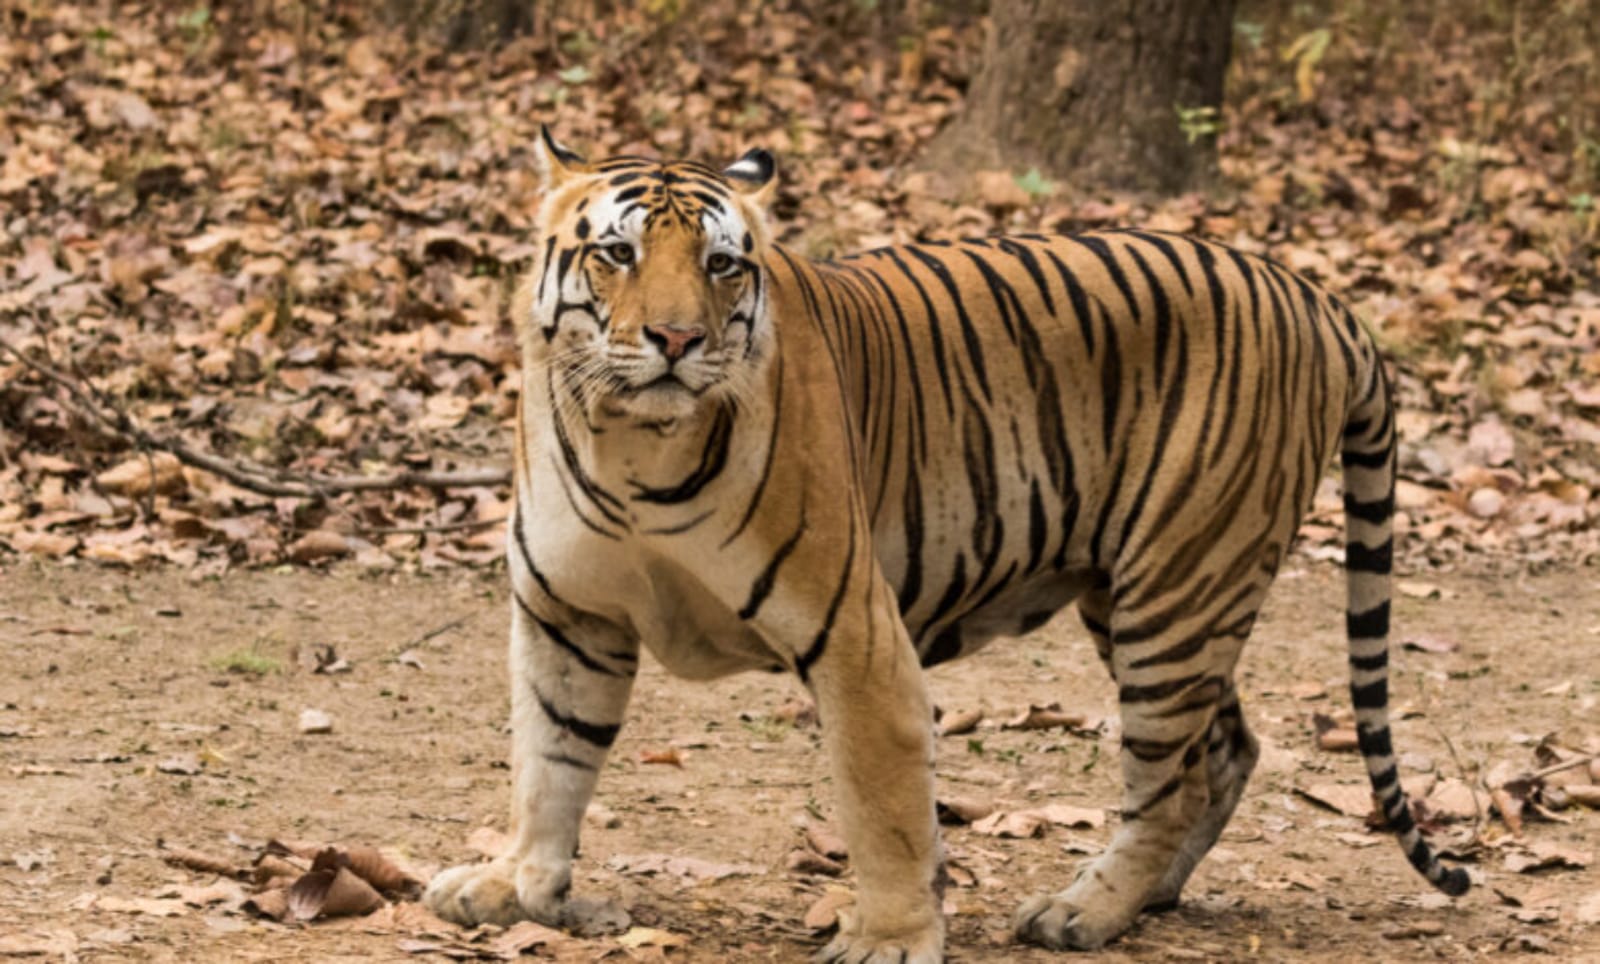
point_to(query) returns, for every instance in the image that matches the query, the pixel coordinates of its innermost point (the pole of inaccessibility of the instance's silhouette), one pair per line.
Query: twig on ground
(1563, 765)
(254, 478)
(426, 529)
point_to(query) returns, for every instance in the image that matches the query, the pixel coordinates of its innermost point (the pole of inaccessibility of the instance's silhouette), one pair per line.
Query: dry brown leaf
(962, 810)
(1017, 825)
(319, 545)
(1509, 806)
(687, 869)
(638, 937)
(153, 907)
(203, 862)
(802, 860)
(1352, 800)
(270, 867)
(1065, 815)
(823, 914)
(524, 936)
(1338, 739)
(826, 842)
(1546, 855)
(960, 721)
(327, 892)
(1454, 799)
(667, 757)
(273, 903)
(222, 891)
(1044, 717)
(1583, 794)
(409, 917)
(371, 865)
(161, 472)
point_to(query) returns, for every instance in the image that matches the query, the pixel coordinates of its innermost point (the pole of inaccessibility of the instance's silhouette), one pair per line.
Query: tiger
(741, 458)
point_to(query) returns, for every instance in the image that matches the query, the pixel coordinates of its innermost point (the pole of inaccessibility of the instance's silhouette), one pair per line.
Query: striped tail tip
(1453, 881)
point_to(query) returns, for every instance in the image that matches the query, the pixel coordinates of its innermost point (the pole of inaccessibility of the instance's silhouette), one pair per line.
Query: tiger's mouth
(664, 399)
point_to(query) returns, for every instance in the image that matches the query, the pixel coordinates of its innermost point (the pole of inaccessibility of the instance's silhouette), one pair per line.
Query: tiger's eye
(719, 263)
(620, 253)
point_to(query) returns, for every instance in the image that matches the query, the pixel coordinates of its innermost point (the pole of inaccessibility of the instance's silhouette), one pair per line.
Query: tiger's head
(647, 300)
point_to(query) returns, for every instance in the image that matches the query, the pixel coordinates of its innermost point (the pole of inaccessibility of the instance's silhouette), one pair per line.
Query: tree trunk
(1108, 93)
(465, 24)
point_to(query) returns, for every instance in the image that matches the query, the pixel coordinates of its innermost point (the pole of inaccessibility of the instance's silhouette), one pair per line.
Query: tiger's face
(648, 301)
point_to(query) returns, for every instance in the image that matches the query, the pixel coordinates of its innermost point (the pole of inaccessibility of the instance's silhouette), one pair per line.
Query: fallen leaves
(686, 870)
(1021, 824)
(1048, 716)
(336, 303)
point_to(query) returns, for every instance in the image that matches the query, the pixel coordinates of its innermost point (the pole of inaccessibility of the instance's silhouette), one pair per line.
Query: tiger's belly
(1014, 609)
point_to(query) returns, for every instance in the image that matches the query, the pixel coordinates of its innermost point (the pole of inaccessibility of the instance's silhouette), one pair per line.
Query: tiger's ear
(754, 175)
(554, 160)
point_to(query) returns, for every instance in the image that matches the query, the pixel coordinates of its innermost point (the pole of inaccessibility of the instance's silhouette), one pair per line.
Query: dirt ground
(108, 674)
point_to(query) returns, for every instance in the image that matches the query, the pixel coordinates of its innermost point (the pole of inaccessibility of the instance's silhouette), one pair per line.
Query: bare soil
(107, 674)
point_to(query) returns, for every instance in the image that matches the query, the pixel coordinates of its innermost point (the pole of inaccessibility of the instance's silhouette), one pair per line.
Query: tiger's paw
(499, 892)
(1061, 923)
(925, 946)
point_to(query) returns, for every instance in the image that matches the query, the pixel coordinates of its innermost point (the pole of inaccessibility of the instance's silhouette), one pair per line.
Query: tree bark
(465, 24)
(1096, 92)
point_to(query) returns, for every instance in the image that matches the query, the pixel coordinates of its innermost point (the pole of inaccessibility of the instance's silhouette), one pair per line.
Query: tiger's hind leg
(1231, 755)
(1178, 702)
(1166, 792)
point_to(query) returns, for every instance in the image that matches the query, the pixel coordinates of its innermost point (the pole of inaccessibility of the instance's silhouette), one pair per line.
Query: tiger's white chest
(607, 542)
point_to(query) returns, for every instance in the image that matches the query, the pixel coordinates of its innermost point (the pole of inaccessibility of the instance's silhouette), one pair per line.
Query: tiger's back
(1044, 415)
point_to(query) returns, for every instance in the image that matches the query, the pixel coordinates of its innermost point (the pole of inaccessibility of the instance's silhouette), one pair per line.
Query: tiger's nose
(673, 340)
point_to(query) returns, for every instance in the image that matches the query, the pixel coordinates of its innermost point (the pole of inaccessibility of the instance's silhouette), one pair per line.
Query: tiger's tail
(1367, 456)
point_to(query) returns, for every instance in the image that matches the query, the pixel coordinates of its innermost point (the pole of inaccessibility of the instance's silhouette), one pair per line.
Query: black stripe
(1377, 511)
(772, 451)
(1378, 742)
(1079, 299)
(804, 663)
(1376, 459)
(1371, 696)
(1372, 624)
(969, 334)
(764, 582)
(1152, 750)
(563, 642)
(1378, 560)
(911, 511)
(1152, 692)
(683, 526)
(599, 734)
(713, 458)
(527, 557)
(570, 761)
(1369, 664)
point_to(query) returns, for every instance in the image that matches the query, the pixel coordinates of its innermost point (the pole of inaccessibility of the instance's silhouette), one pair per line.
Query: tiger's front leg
(569, 689)
(878, 730)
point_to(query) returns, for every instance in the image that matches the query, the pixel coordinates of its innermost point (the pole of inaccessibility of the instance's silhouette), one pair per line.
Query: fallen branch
(418, 530)
(95, 406)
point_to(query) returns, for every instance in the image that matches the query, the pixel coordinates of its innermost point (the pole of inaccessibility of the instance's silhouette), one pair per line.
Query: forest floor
(150, 710)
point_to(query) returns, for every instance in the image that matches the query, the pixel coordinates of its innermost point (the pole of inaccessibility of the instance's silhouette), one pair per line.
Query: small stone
(315, 721)
(1486, 503)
